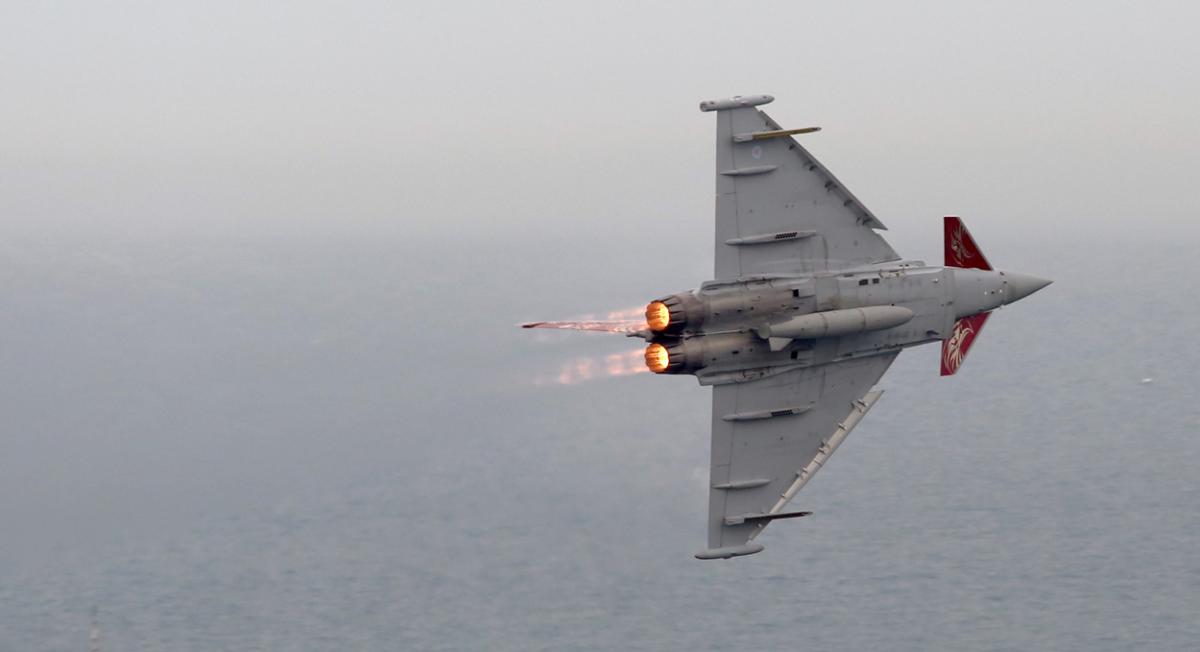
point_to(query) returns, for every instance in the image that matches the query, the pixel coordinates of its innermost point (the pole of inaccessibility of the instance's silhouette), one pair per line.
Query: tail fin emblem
(958, 248)
(961, 249)
(955, 348)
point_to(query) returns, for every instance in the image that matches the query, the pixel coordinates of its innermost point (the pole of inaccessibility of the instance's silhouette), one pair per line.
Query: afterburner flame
(658, 317)
(657, 359)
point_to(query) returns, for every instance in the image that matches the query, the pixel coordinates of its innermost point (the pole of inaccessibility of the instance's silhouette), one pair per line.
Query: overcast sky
(426, 118)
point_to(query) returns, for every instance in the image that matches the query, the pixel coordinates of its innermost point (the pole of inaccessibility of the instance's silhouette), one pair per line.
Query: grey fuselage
(739, 330)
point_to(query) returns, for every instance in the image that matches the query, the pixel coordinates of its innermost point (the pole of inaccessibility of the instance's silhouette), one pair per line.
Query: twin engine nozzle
(669, 320)
(668, 317)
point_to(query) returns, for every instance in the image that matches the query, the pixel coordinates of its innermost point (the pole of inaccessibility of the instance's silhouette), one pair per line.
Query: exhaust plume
(585, 368)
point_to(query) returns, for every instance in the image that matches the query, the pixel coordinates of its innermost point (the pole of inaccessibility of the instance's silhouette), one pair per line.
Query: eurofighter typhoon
(808, 307)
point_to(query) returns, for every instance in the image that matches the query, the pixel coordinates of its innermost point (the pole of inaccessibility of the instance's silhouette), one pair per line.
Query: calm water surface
(341, 444)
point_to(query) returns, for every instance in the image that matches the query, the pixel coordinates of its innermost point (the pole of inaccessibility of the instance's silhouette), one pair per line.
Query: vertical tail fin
(961, 250)
(954, 349)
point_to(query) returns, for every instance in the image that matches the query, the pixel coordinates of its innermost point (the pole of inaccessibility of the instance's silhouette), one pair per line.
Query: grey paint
(794, 331)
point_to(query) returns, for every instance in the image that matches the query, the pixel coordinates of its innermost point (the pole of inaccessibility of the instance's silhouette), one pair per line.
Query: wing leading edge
(778, 210)
(770, 436)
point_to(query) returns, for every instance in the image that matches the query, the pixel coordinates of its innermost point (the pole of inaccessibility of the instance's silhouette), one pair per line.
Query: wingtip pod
(729, 552)
(735, 102)
(961, 250)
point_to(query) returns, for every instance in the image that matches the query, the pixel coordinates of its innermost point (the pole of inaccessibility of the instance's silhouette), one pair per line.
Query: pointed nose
(1018, 286)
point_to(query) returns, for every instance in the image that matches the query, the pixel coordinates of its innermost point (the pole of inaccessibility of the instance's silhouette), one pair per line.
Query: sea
(217, 442)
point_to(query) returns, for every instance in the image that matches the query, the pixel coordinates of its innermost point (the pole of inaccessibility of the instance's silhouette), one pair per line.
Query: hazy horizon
(231, 119)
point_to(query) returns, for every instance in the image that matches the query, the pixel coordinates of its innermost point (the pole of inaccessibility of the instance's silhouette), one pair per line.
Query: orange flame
(657, 359)
(658, 316)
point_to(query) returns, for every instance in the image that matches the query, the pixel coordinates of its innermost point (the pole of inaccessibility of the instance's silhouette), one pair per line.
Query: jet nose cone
(1018, 286)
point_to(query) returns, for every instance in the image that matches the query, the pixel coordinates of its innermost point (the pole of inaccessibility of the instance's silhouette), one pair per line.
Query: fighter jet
(807, 309)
